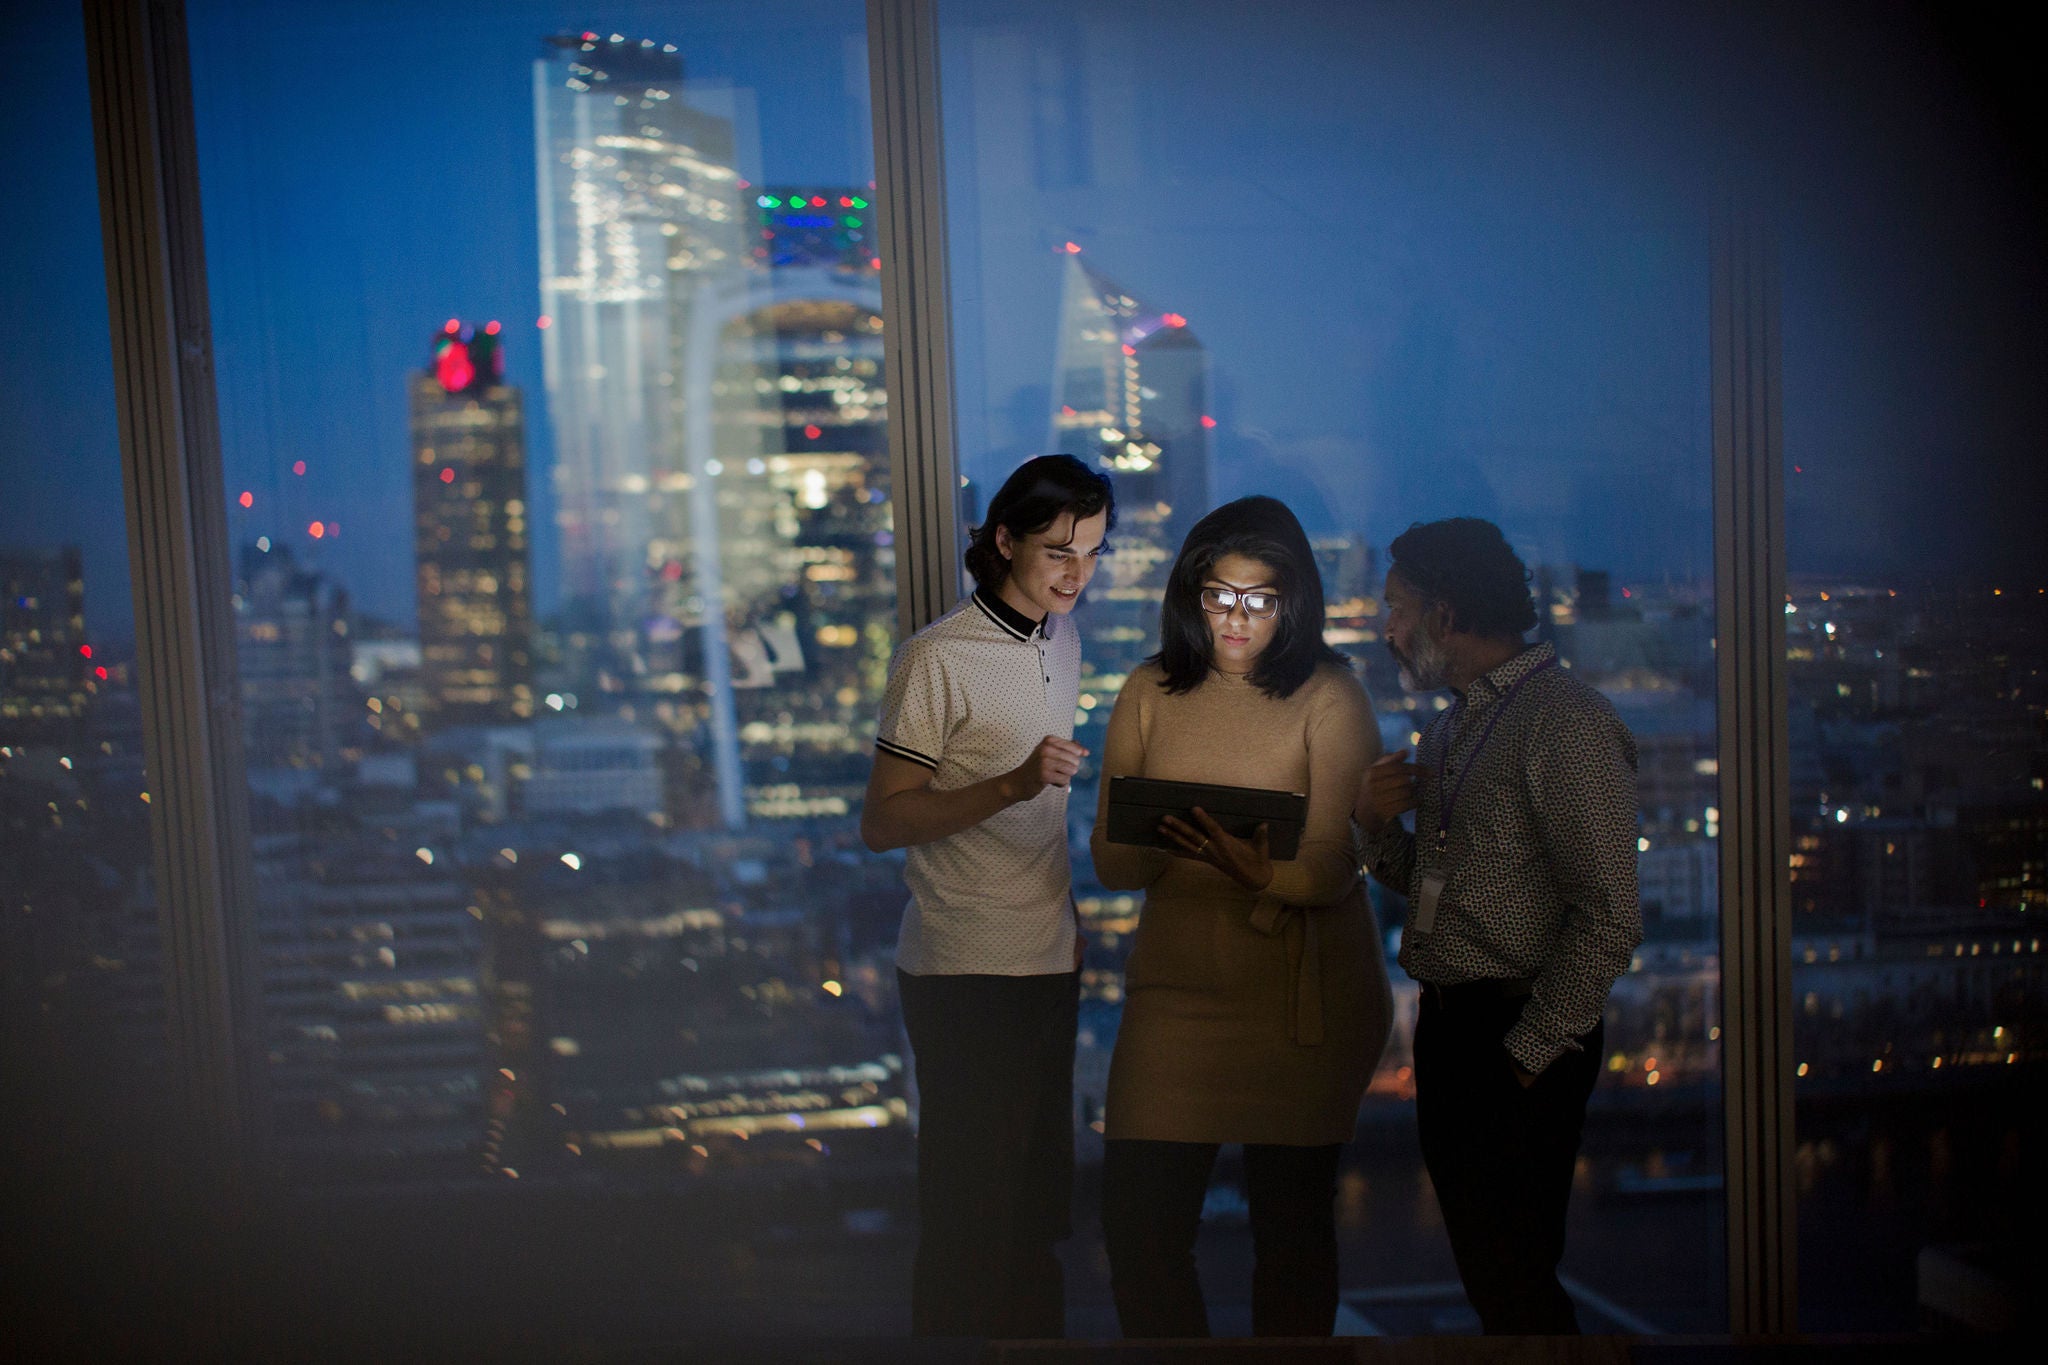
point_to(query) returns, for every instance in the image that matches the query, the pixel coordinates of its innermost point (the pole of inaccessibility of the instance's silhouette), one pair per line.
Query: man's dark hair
(1035, 496)
(1467, 564)
(1259, 528)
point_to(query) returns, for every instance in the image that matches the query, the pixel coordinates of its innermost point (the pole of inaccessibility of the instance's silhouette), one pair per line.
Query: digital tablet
(1137, 804)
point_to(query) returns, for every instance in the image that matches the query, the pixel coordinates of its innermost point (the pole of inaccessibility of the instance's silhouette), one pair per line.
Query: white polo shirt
(970, 696)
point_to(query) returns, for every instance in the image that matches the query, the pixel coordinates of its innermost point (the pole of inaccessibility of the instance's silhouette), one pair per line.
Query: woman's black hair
(1259, 528)
(1037, 493)
(1467, 564)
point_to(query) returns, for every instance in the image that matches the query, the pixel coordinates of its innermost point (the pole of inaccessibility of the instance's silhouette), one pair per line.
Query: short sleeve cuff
(903, 751)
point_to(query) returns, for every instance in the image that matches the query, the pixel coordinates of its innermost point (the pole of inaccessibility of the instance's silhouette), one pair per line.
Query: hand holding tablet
(1138, 806)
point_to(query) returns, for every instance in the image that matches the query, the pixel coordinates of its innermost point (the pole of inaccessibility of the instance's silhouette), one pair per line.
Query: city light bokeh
(555, 758)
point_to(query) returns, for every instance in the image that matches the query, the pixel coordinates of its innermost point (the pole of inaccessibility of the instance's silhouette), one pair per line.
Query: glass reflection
(82, 1043)
(1361, 261)
(563, 913)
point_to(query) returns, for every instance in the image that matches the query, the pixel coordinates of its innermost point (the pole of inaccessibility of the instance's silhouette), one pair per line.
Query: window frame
(145, 146)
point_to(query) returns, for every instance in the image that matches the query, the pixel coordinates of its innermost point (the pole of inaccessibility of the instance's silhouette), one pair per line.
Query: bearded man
(1521, 884)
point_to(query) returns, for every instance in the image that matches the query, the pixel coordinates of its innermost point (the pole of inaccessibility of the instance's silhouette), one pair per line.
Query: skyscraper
(45, 661)
(292, 652)
(1132, 395)
(372, 1017)
(714, 374)
(808, 563)
(470, 532)
(639, 219)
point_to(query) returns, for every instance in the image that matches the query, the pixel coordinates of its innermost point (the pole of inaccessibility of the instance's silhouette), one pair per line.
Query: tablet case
(1136, 805)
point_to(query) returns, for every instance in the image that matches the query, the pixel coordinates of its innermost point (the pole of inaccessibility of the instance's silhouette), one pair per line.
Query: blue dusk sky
(1442, 263)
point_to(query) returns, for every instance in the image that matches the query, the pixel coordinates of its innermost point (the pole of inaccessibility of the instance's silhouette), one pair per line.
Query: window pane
(1389, 268)
(550, 375)
(1917, 645)
(81, 1001)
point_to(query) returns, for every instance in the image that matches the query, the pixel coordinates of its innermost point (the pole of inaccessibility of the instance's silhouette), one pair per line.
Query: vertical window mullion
(903, 68)
(173, 488)
(1755, 779)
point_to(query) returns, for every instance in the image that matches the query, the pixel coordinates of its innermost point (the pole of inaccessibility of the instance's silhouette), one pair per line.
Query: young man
(973, 759)
(1521, 886)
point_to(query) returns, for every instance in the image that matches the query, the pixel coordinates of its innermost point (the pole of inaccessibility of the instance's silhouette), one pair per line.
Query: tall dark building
(45, 663)
(767, 633)
(292, 650)
(640, 228)
(805, 567)
(1132, 397)
(373, 1023)
(470, 533)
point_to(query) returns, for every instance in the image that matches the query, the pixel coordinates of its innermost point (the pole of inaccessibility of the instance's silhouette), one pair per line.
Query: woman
(1256, 1000)
(973, 759)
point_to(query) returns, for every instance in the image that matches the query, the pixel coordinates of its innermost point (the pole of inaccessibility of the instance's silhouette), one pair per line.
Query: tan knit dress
(1247, 1018)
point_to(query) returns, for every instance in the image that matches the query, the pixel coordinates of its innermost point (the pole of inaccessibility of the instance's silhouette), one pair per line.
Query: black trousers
(1500, 1156)
(1152, 1196)
(995, 1151)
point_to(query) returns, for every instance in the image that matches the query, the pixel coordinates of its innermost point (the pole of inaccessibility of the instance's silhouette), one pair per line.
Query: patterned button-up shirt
(1539, 863)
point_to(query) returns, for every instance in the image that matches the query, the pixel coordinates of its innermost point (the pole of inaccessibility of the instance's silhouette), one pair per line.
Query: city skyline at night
(555, 414)
(1845, 332)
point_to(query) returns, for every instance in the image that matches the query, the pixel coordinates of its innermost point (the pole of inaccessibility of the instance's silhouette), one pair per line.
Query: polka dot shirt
(1539, 858)
(970, 696)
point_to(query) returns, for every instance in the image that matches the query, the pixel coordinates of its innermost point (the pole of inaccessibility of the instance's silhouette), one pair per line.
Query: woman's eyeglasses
(1259, 604)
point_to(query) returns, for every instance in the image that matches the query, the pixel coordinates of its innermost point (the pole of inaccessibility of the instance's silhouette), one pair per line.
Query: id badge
(1425, 903)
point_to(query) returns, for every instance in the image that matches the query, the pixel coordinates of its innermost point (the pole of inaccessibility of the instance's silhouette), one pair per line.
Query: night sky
(1441, 263)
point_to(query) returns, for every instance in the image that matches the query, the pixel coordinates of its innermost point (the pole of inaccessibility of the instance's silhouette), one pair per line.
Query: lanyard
(1448, 800)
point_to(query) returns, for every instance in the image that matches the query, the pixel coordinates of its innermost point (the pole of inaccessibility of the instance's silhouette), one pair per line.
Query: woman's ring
(1201, 847)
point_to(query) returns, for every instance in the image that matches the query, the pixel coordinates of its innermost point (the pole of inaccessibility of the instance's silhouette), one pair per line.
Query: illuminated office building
(639, 221)
(808, 560)
(45, 661)
(470, 533)
(714, 378)
(771, 606)
(292, 651)
(372, 1007)
(1132, 396)
(594, 766)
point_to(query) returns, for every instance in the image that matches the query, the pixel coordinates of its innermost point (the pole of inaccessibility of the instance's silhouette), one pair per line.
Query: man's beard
(1427, 668)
